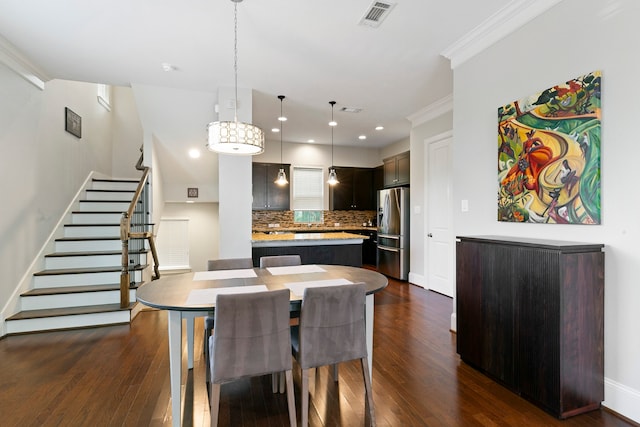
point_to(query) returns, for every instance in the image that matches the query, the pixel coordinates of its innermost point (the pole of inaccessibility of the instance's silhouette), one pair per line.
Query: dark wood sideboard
(530, 314)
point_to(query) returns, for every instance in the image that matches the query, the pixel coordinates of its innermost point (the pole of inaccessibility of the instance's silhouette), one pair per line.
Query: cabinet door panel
(469, 272)
(363, 198)
(278, 196)
(389, 172)
(538, 326)
(498, 287)
(403, 168)
(341, 194)
(259, 191)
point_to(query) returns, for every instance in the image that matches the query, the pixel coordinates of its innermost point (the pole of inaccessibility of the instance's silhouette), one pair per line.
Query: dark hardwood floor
(119, 376)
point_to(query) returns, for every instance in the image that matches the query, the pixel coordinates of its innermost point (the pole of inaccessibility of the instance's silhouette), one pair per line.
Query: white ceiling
(312, 52)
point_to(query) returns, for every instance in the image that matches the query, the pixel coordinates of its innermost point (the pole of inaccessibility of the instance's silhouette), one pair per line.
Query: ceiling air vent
(376, 13)
(350, 109)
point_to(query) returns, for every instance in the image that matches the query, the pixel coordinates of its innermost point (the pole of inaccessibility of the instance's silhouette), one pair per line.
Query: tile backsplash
(262, 219)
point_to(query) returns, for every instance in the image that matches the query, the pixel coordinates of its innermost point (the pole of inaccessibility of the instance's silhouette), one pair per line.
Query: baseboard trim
(622, 400)
(417, 279)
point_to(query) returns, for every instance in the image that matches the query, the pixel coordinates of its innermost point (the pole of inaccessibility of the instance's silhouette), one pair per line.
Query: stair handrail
(126, 234)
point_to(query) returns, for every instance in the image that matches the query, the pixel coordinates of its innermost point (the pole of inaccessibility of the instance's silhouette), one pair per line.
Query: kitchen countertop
(306, 239)
(313, 229)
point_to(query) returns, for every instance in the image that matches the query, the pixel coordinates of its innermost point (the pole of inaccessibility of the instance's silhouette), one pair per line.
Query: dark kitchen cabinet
(396, 170)
(530, 314)
(266, 194)
(354, 191)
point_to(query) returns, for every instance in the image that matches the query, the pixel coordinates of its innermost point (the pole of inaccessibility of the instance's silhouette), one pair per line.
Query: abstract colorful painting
(549, 155)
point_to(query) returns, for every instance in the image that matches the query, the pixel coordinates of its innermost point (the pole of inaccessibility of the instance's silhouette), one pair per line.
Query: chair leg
(281, 381)
(335, 372)
(207, 334)
(274, 382)
(291, 399)
(368, 390)
(214, 401)
(305, 398)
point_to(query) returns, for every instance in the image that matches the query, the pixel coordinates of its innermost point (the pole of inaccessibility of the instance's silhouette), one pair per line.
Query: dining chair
(277, 381)
(280, 261)
(220, 264)
(252, 338)
(331, 330)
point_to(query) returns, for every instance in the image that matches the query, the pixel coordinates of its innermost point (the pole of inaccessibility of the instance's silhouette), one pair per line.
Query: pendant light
(282, 177)
(333, 177)
(234, 137)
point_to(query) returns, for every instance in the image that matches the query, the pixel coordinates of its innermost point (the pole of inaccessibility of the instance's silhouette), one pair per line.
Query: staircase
(80, 285)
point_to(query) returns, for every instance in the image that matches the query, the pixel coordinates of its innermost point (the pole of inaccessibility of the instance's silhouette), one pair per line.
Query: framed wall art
(72, 123)
(549, 155)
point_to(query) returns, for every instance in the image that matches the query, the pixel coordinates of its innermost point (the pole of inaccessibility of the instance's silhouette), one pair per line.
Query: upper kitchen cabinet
(354, 191)
(396, 170)
(266, 194)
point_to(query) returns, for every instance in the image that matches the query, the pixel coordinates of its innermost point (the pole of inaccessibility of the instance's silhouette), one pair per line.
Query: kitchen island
(336, 248)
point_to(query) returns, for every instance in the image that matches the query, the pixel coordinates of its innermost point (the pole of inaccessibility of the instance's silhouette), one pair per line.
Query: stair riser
(94, 206)
(43, 302)
(91, 245)
(53, 263)
(67, 322)
(92, 231)
(51, 281)
(101, 218)
(114, 185)
(125, 196)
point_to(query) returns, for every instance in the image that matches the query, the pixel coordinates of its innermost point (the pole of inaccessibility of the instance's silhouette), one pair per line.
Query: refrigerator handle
(389, 236)
(385, 248)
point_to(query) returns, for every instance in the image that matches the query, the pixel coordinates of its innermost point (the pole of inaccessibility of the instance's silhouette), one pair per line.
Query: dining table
(189, 295)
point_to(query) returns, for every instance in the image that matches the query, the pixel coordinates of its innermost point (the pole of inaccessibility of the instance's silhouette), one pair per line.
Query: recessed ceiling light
(379, 127)
(333, 123)
(194, 153)
(275, 130)
(282, 118)
(311, 141)
(362, 137)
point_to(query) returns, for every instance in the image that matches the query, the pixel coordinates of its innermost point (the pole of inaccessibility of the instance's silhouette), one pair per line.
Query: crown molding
(430, 112)
(13, 59)
(502, 23)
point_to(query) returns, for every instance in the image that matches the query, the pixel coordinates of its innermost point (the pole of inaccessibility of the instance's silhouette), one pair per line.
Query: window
(104, 96)
(308, 187)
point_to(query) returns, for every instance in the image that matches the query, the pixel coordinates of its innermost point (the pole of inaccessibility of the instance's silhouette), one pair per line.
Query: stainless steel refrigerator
(393, 232)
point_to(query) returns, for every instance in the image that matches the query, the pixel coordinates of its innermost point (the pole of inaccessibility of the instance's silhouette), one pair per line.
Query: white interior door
(439, 241)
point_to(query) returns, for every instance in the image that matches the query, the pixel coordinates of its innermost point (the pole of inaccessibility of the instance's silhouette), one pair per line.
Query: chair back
(332, 325)
(279, 261)
(252, 335)
(229, 264)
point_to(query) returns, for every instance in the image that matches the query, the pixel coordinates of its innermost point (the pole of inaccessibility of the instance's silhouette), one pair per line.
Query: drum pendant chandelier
(234, 137)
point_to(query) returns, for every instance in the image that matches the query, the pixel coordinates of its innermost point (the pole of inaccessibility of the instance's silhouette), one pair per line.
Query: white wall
(127, 133)
(203, 230)
(43, 166)
(573, 38)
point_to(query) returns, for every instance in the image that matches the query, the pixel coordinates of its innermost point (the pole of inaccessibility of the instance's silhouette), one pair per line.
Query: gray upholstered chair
(279, 261)
(331, 330)
(252, 338)
(220, 264)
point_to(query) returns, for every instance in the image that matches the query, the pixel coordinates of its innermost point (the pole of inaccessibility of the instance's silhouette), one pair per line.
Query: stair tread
(72, 239)
(106, 201)
(114, 180)
(75, 289)
(106, 225)
(70, 311)
(60, 271)
(96, 212)
(93, 253)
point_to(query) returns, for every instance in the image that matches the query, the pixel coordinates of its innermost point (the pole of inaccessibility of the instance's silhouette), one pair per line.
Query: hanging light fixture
(333, 177)
(282, 177)
(234, 137)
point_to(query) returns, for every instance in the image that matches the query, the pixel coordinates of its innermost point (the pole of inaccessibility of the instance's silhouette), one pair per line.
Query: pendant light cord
(235, 58)
(281, 99)
(332, 126)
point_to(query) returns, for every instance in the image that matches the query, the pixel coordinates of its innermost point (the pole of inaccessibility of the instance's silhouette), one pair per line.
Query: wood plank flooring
(119, 376)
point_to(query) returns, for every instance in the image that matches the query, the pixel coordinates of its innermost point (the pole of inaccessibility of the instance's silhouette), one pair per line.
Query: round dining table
(190, 295)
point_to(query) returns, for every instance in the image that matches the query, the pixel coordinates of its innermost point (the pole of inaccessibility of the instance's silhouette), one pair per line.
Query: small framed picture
(73, 123)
